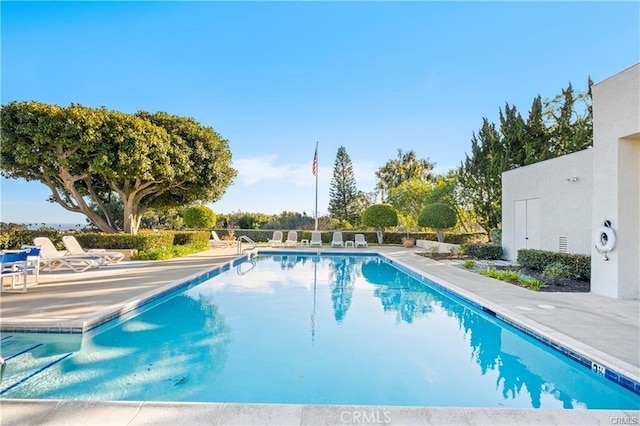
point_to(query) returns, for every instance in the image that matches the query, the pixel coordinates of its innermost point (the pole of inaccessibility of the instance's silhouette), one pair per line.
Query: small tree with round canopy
(199, 217)
(380, 216)
(438, 216)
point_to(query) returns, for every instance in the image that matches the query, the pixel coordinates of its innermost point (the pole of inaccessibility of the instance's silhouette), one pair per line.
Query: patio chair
(276, 240)
(50, 258)
(33, 261)
(215, 241)
(292, 239)
(106, 257)
(337, 239)
(360, 241)
(14, 265)
(316, 239)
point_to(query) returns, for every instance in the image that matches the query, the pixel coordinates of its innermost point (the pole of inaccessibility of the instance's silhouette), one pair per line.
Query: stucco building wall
(572, 196)
(616, 182)
(563, 187)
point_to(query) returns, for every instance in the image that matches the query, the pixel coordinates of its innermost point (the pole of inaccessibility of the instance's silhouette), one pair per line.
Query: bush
(169, 252)
(13, 236)
(437, 216)
(199, 217)
(469, 264)
(579, 265)
(380, 216)
(482, 251)
(557, 270)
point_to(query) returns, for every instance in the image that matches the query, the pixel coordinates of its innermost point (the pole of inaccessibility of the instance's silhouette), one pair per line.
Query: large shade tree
(406, 166)
(90, 157)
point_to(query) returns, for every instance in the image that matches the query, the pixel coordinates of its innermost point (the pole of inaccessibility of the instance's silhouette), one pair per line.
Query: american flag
(314, 166)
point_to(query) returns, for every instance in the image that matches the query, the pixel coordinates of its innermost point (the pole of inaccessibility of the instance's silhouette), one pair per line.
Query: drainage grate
(562, 245)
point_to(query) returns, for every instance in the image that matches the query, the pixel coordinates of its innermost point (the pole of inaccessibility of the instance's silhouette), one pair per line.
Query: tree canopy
(380, 216)
(406, 166)
(88, 156)
(553, 128)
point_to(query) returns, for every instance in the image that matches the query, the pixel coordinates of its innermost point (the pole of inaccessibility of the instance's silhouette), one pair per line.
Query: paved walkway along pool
(604, 329)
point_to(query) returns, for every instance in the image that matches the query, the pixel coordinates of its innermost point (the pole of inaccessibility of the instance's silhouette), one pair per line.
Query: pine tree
(512, 128)
(536, 135)
(343, 191)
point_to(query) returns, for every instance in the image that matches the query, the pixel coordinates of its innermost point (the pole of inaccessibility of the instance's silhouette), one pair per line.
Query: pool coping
(144, 413)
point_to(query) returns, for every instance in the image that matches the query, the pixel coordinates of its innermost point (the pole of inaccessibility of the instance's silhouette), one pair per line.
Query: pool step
(25, 359)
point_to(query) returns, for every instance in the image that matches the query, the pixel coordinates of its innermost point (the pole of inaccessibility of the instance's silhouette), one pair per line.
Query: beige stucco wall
(616, 182)
(565, 205)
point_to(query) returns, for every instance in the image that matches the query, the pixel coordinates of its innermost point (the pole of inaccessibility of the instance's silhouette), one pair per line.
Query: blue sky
(275, 77)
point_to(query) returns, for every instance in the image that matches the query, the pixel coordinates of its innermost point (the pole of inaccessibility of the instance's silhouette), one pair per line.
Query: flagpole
(316, 186)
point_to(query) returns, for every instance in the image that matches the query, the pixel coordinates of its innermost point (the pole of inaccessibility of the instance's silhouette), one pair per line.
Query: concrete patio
(603, 329)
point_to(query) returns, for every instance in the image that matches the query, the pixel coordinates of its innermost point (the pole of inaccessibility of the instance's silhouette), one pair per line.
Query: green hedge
(183, 238)
(144, 240)
(482, 251)
(578, 264)
(12, 238)
(263, 235)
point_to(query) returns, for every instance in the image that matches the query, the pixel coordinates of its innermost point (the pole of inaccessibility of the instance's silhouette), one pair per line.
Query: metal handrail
(239, 267)
(247, 239)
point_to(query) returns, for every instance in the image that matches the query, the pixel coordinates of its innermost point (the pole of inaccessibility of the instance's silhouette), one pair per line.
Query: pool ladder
(247, 239)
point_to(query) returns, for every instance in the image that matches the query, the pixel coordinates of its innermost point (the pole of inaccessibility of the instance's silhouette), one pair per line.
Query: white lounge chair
(360, 241)
(316, 239)
(276, 240)
(292, 239)
(215, 241)
(337, 239)
(74, 248)
(51, 259)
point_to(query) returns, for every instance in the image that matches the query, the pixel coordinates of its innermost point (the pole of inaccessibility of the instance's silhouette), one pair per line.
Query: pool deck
(603, 329)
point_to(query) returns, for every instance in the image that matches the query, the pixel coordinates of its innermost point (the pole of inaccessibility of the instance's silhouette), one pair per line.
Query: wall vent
(562, 245)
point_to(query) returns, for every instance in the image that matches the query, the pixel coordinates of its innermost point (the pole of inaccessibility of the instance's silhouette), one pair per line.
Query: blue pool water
(307, 330)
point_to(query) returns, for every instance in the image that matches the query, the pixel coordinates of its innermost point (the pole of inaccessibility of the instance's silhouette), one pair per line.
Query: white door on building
(527, 224)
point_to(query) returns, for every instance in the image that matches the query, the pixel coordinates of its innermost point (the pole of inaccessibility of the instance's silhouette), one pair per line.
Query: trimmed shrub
(199, 217)
(437, 216)
(578, 264)
(482, 251)
(144, 240)
(380, 216)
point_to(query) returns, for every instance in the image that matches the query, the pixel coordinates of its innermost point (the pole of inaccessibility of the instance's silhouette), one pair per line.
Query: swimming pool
(309, 330)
